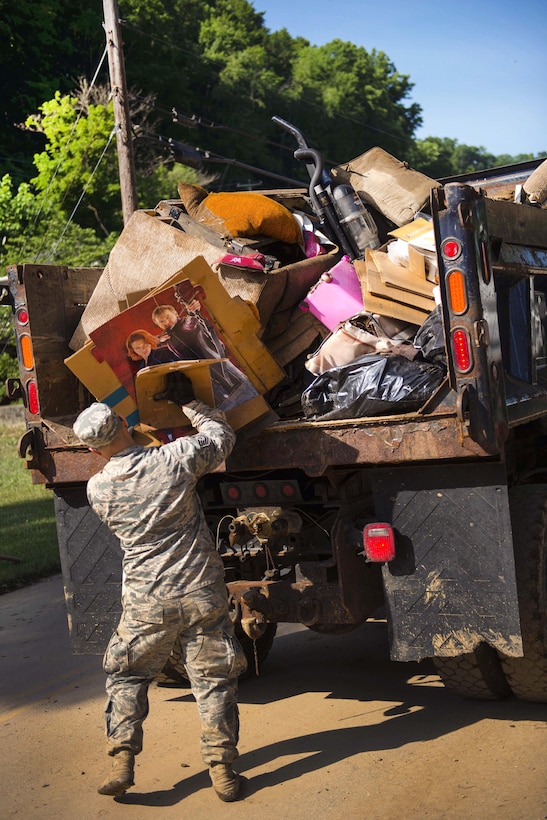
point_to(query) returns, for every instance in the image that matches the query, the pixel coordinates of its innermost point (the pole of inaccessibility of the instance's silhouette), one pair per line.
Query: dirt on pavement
(331, 728)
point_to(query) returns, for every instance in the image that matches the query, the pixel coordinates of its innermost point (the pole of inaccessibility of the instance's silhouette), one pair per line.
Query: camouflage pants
(212, 656)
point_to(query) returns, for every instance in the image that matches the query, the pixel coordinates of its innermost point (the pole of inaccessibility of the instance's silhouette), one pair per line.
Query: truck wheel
(476, 674)
(174, 672)
(527, 676)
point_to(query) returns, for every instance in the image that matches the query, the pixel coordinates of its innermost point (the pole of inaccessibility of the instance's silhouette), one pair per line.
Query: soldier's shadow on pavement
(409, 722)
(406, 700)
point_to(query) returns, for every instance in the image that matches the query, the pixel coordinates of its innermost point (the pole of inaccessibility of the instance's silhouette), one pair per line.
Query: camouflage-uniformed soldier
(173, 588)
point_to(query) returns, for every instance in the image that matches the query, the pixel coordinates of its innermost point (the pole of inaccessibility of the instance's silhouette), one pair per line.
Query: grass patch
(28, 529)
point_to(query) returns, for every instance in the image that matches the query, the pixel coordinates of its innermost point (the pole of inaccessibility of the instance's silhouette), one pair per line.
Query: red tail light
(260, 490)
(462, 350)
(379, 542)
(451, 249)
(32, 394)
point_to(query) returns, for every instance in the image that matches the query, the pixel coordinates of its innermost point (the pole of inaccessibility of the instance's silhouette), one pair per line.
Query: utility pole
(116, 67)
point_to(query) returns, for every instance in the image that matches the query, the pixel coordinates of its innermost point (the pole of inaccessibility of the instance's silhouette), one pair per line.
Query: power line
(69, 220)
(61, 158)
(188, 155)
(203, 58)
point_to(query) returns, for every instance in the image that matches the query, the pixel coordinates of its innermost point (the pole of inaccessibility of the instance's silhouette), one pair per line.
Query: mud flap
(91, 563)
(452, 583)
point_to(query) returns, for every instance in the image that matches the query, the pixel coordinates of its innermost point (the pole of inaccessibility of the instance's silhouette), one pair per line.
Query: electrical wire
(203, 58)
(154, 38)
(105, 149)
(45, 197)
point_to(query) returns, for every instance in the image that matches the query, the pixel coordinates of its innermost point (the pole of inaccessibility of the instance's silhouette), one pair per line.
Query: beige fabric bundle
(386, 183)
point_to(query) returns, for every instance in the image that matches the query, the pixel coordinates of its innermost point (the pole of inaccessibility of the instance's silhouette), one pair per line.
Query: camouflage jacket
(147, 497)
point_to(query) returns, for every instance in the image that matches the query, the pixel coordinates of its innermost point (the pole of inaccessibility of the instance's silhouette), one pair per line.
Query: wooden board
(387, 307)
(397, 276)
(377, 287)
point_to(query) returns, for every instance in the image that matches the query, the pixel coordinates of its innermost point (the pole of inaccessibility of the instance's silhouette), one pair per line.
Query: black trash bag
(430, 338)
(373, 385)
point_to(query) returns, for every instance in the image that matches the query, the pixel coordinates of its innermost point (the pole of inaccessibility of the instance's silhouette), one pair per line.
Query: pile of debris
(319, 302)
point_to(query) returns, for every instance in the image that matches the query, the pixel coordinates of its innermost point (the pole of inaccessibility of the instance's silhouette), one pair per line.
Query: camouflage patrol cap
(98, 425)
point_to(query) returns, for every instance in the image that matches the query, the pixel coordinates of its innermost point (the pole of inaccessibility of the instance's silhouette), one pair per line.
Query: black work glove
(179, 389)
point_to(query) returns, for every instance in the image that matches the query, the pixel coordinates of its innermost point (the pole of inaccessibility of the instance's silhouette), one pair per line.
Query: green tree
(70, 212)
(43, 47)
(355, 99)
(440, 158)
(434, 156)
(80, 155)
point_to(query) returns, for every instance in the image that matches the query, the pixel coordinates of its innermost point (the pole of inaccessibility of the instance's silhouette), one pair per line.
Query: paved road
(331, 729)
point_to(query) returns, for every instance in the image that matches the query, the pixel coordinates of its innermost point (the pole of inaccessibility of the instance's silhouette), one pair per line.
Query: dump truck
(436, 518)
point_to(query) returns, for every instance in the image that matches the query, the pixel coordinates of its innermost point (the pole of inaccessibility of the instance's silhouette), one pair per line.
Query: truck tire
(527, 676)
(476, 674)
(174, 672)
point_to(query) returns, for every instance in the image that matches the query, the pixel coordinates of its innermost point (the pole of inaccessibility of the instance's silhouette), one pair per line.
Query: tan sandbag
(240, 213)
(536, 185)
(388, 184)
(294, 332)
(264, 290)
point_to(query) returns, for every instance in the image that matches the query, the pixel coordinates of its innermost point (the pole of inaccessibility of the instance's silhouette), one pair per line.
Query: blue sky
(479, 67)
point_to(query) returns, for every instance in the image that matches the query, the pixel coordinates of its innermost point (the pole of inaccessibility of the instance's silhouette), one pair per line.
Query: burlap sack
(148, 252)
(536, 185)
(388, 184)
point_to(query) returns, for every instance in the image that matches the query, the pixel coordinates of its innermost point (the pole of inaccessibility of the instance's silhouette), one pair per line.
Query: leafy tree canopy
(215, 63)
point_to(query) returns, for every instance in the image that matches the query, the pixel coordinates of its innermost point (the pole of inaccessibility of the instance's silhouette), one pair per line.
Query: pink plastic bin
(336, 300)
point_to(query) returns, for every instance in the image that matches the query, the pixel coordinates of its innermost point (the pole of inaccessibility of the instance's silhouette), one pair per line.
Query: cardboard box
(384, 305)
(101, 381)
(422, 251)
(401, 278)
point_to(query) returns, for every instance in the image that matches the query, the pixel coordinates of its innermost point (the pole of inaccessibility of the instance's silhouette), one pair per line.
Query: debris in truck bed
(372, 385)
(268, 254)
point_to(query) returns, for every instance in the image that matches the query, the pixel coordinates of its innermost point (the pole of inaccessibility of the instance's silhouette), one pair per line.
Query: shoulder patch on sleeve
(203, 441)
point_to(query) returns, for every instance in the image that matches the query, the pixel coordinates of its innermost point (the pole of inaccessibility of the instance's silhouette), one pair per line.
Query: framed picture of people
(172, 325)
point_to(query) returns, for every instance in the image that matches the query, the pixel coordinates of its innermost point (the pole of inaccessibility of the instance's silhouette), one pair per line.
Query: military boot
(121, 774)
(225, 781)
